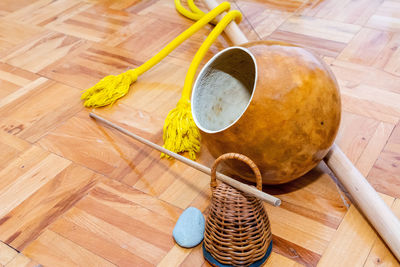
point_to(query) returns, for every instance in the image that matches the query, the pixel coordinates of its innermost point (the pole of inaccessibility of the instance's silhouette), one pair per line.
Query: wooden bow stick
(226, 179)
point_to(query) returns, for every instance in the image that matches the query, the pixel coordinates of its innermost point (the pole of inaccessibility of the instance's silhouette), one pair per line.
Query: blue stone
(189, 229)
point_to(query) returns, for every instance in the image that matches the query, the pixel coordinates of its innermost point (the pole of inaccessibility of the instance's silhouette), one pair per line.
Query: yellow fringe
(109, 89)
(180, 131)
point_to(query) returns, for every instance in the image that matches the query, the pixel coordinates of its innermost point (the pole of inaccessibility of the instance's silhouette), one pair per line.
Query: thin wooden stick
(226, 179)
(367, 199)
(232, 30)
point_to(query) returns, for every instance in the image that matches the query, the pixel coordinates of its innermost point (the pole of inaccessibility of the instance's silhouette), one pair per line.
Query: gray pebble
(189, 229)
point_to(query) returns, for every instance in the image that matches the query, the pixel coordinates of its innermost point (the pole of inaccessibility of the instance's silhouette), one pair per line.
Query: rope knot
(184, 103)
(132, 74)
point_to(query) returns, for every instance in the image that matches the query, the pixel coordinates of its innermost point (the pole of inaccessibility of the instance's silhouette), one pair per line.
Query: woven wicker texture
(237, 229)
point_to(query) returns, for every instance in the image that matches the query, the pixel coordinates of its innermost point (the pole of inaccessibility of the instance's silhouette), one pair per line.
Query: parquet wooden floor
(74, 192)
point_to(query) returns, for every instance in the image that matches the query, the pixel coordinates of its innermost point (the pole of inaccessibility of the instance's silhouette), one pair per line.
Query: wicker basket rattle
(237, 231)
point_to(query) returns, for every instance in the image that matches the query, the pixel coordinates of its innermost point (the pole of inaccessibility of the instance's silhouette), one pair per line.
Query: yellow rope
(113, 87)
(194, 8)
(180, 131)
(194, 14)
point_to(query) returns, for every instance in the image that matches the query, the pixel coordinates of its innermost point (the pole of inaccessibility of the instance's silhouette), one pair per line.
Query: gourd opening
(223, 90)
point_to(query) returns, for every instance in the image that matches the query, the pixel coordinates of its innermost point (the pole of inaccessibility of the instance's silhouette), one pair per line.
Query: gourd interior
(224, 90)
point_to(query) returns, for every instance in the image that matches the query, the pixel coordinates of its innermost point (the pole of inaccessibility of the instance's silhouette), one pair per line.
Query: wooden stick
(226, 179)
(232, 30)
(365, 196)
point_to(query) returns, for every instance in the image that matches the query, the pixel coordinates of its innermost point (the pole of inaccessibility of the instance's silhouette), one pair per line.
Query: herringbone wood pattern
(74, 192)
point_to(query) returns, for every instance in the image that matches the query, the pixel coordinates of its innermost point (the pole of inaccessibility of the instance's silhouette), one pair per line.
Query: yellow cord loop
(194, 14)
(113, 87)
(180, 131)
(194, 8)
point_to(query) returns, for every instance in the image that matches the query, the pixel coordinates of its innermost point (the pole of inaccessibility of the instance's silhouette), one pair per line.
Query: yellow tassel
(109, 89)
(180, 131)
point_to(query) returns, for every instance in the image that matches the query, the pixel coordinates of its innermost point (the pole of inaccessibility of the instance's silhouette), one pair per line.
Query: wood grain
(21, 184)
(379, 254)
(345, 248)
(7, 253)
(320, 28)
(22, 261)
(23, 116)
(24, 223)
(13, 78)
(386, 170)
(74, 192)
(53, 249)
(20, 34)
(43, 51)
(354, 12)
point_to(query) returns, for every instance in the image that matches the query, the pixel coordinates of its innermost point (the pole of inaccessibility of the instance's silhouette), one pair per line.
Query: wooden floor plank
(288, 6)
(263, 18)
(46, 50)
(28, 116)
(11, 146)
(320, 28)
(13, 78)
(185, 188)
(175, 256)
(143, 250)
(141, 214)
(386, 16)
(355, 132)
(353, 240)
(380, 254)
(195, 258)
(156, 205)
(83, 26)
(278, 260)
(23, 224)
(372, 151)
(15, 34)
(102, 150)
(52, 249)
(354, 12)
(318, 45)
(115, 228)
(144, 231)
(96, 244)
(386, 170)
(7, 253)
(43, 12)
(26, 175)
(311, 196)
(22, 261)
(300, 230)
(366, 46)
